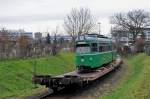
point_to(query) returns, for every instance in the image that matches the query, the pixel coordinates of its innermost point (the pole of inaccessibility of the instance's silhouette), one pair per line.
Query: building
(37, 35)
(65, 37)
(147, 34)
(126, 37)
(14, 34)
(27, 34)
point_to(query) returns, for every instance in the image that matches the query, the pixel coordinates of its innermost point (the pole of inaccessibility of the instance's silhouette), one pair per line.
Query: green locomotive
(94, 51)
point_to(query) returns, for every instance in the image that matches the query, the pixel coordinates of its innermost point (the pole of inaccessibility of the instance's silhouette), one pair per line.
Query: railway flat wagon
(75, 77)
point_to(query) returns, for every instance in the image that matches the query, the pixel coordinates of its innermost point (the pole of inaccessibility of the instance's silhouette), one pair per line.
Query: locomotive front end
(82, 50)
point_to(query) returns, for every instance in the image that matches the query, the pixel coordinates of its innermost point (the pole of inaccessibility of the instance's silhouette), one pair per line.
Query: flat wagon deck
(74, 77)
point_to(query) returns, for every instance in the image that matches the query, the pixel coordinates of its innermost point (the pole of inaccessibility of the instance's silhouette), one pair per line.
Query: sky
(46, 15)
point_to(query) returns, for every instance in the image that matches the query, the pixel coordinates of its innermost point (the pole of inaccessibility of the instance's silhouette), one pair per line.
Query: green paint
(94, 60)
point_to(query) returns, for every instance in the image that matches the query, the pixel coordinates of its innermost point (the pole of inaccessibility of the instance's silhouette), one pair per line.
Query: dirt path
(94, 90)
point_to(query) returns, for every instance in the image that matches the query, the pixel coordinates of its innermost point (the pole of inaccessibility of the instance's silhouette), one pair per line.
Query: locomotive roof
(94, 37)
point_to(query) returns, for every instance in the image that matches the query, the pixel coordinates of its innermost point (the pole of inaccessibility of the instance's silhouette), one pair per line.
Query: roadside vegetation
(16, 74)
(135, 84)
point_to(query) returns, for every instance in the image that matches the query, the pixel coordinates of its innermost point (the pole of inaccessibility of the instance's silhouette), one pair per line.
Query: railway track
(41, 95)
(44, 95)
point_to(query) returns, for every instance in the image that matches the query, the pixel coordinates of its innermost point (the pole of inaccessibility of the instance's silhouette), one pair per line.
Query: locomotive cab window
(82, 48)
(101, 48)
(94, 47)
(104, 47)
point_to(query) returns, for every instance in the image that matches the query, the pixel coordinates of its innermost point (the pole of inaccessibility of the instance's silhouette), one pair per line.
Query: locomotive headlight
(82, 60)
(90, 58)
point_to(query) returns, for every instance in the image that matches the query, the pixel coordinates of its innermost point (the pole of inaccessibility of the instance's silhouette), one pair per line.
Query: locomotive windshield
(82, 48)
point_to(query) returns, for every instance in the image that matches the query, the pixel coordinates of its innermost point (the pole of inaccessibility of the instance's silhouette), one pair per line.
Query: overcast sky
(45, 15)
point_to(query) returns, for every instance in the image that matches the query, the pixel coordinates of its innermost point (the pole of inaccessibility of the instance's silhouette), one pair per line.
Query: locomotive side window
(110, 47)
(104, 47)
(94, 47)
(113, 46)
(101, 48)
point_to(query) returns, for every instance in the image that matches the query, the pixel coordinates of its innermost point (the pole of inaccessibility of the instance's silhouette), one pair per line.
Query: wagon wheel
(55, 90)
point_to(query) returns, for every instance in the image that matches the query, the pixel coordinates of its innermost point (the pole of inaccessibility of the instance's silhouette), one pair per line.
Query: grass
(135, 84)
(16, 75)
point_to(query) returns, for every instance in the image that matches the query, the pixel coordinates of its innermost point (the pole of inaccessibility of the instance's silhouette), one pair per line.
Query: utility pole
(99, 24)
(35, 63)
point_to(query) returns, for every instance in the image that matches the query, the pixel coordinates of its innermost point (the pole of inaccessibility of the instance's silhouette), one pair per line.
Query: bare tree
(23, 42)
(78, 22)
(55, 42)
(5, 43)
(134, 21)
(48, 39)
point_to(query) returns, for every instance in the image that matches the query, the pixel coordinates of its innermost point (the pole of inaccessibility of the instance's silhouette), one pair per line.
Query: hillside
(135, 83)
(16, 74)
